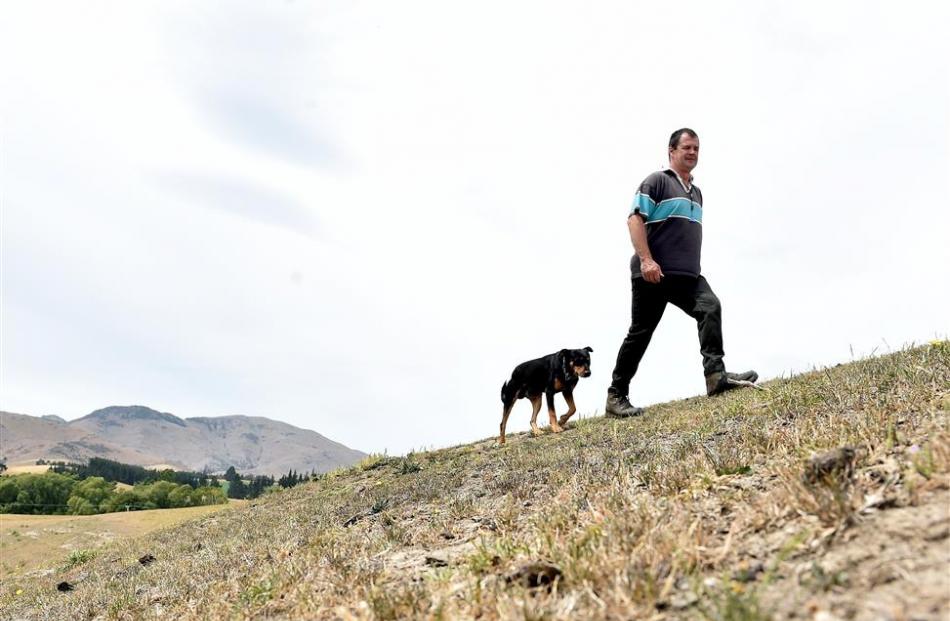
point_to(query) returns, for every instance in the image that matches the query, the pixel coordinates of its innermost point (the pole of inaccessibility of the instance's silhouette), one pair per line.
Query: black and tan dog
(554, 373)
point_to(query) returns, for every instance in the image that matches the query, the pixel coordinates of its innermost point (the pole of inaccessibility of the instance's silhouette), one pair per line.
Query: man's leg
(696, 299)
(648, 304)
(700, 303)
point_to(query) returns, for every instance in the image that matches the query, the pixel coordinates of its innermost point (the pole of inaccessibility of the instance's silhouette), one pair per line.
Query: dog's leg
(552, 417)
(536, 405)
(506, 410)
(569, 397)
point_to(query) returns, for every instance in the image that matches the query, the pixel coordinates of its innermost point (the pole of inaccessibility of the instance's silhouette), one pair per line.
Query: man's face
(685, 155)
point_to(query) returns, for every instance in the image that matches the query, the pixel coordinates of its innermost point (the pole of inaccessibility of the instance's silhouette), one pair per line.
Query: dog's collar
(567, 369)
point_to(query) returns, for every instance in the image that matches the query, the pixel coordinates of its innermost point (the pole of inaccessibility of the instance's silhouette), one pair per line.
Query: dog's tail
(504, 388)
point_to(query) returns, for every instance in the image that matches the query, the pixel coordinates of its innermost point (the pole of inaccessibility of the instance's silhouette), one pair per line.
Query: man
(666, 229)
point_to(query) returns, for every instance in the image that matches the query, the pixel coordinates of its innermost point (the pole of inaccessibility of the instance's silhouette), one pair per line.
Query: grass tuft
(78, 557)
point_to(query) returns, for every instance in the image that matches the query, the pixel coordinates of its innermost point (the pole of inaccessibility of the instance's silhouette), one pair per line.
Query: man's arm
(638, 235)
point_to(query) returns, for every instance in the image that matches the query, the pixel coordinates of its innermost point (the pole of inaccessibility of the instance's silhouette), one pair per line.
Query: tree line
(260, 484)
(53, 493)
(130, 474)
(84, 489)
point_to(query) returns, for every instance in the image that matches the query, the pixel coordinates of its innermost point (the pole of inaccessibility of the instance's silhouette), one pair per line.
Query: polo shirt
(674, 222)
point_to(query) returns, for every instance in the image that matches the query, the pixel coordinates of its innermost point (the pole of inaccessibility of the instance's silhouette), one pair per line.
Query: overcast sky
(358, 217)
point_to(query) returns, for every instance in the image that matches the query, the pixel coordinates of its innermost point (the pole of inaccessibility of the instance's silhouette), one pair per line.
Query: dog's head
(576, 361)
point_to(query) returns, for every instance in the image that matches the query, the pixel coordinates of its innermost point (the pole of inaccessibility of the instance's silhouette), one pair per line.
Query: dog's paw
(562, 421)
(557, 428)
(535, 430)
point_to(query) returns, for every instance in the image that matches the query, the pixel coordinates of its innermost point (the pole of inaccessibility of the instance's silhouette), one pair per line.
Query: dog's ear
(563, 353)
(589, 348)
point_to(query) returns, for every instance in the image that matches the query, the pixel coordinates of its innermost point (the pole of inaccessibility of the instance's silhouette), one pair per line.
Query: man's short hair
(675, 136)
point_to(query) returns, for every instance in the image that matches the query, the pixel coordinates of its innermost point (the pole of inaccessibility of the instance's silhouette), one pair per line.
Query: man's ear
(589, 348)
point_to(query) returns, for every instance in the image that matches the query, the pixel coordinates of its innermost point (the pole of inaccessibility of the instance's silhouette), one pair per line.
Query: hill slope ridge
(824, 495)
(140, 435)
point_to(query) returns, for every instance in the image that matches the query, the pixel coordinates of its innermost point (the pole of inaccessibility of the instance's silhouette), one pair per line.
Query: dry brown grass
(698, 509)
(24, 469)
(41, 542)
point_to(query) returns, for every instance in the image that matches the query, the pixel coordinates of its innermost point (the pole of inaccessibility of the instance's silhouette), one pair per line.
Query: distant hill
(143, 436)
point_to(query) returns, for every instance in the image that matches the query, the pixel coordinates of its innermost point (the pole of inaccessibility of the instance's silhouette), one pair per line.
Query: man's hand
(651, 270)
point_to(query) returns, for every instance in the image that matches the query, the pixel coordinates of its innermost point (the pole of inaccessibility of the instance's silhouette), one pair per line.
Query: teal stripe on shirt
(642, 203)
(675, 208)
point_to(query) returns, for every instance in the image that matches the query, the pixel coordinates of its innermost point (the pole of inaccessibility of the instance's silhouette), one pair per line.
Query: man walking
(666, 228)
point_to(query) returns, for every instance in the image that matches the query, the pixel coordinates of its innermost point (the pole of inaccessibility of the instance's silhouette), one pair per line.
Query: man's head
(684, 150)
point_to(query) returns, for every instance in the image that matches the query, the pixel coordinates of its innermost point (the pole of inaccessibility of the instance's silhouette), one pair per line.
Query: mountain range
(142, 436)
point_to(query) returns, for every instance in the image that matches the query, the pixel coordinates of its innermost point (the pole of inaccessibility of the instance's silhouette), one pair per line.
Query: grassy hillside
(701, 508)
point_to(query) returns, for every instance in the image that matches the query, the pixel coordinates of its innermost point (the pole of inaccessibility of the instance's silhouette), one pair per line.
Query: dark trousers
(695, 297)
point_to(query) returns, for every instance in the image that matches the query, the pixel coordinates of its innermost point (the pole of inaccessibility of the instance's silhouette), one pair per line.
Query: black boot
(620, 407)
(718, 383)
